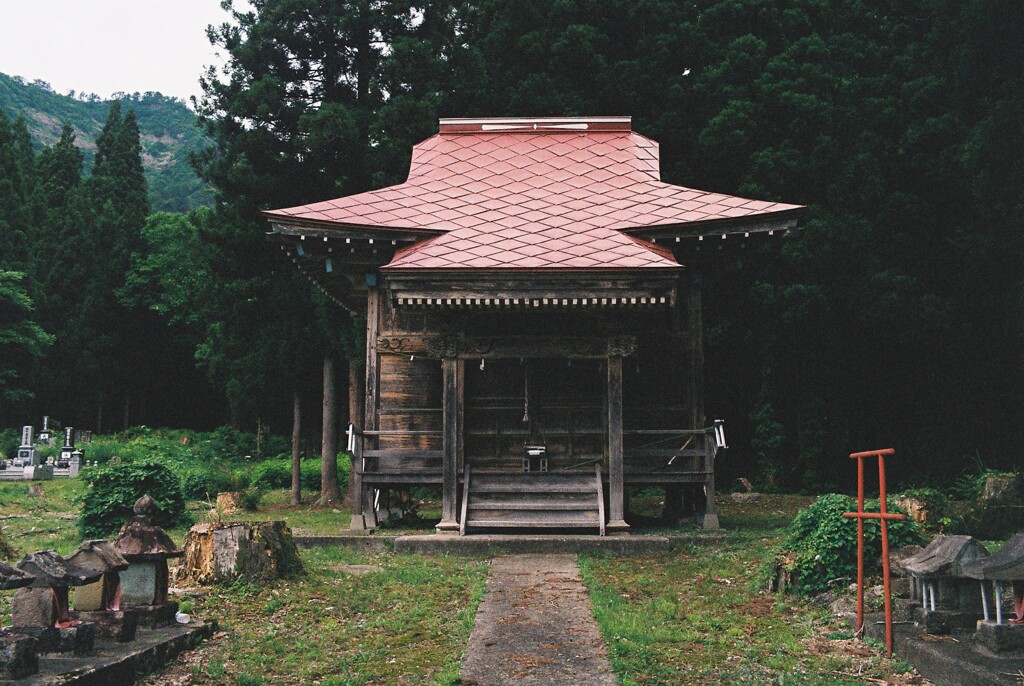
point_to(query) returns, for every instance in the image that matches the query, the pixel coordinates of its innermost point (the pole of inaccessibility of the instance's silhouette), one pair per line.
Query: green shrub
(114, 488)
(277, 473)
(822, 544)
(991, 521)
(10, 439)
(204, 483)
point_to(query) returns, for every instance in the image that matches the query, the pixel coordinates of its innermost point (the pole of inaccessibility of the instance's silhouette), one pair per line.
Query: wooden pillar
(360, 519)
(617, 349)
(695, 324)
(451, 413)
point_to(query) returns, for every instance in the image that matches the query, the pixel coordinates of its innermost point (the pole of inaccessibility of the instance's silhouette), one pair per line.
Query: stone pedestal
(18, 656)
(944, 621)
(155, 616)
(116, 626)
(38, 472)
(80, 639)
(707, 521)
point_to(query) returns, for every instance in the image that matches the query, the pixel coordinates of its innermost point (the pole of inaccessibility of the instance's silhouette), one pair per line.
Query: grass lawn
(693, 616)
(697, 616)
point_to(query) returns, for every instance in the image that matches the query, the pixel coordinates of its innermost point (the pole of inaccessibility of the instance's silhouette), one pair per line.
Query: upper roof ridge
(533, 124)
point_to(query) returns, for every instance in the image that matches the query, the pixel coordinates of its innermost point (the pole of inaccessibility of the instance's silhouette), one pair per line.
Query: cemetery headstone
(44, 433)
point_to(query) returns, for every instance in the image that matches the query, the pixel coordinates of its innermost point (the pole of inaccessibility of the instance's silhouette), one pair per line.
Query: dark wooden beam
(494, 347)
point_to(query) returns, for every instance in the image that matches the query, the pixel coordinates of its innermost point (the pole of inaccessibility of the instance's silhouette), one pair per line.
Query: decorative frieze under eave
(526, 303)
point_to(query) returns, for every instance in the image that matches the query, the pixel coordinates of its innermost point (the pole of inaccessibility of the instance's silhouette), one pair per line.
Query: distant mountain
(167, 125)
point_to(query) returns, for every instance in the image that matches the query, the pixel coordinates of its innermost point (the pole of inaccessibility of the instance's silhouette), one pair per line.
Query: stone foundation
(116, 626)
(1000, 638)
(155, 616)
(18, 656)
(945, 621)
(78, 640)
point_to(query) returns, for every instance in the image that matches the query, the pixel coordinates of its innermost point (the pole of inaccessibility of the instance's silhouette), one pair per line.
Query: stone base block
(359, 523)
(79, 640)
(18, 656)
(39, 472)
(155, 616)
(944, 621)
(707, 521)
(1000, 638)
(116, 626)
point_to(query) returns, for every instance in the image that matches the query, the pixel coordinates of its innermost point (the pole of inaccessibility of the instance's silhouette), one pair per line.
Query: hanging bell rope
(526, 393)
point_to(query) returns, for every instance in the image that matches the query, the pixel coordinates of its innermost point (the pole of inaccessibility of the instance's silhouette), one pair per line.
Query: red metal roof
(532, 193)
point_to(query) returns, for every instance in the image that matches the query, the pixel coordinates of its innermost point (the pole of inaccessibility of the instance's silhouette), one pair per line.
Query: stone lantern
(99, 602)
(18, 656)
(41, 610)
(147, 548)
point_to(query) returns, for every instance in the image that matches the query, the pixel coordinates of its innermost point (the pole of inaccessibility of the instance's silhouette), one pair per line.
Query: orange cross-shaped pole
(860, 515)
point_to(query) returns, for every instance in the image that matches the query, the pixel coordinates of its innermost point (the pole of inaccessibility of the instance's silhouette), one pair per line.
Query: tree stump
(252, 551)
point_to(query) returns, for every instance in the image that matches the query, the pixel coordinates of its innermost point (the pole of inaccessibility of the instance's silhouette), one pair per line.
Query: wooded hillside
(167, 126)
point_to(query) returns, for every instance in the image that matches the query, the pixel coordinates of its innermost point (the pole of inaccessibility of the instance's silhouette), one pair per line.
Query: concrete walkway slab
(536, 627)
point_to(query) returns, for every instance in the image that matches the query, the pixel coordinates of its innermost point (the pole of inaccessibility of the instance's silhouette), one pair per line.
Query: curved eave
(781, 222)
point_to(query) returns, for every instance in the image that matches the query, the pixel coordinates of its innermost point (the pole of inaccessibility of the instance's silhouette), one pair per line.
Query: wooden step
(531, 524)
(554, 500)
(545, 504)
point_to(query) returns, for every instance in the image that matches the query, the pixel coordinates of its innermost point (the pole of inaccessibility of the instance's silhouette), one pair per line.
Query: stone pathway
(535, 627)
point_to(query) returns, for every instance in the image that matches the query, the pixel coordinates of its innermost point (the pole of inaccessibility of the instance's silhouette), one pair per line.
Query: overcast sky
(107, 46)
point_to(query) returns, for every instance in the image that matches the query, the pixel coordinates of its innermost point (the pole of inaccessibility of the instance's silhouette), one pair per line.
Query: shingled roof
(531, 194)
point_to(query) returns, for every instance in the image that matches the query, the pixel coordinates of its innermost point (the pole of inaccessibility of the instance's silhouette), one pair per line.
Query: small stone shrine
(100, 602)
(1005, 566)
(147, 548)
(948, 600)
(18, 656)
(41, 610)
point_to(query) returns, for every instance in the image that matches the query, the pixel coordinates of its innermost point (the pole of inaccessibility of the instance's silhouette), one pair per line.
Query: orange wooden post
(884, 516)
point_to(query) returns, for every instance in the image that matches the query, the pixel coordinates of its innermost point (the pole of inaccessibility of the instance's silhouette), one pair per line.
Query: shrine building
(533, 338)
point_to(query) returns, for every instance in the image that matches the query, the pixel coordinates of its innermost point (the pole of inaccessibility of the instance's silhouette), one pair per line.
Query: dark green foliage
(942, 511)
(991, 521)
(22, 340)
(204, 483)
(821, 547)
(114, 488)
(10, 439)
(277, 473)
